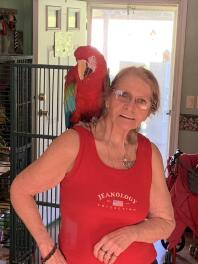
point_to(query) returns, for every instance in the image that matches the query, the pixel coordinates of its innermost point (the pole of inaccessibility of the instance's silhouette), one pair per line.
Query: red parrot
(84, 86)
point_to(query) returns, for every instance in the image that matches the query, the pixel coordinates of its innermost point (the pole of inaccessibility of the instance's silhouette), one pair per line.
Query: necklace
(124, 161)
(128, 164)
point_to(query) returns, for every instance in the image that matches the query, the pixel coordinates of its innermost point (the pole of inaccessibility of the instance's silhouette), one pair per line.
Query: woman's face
(130, 102)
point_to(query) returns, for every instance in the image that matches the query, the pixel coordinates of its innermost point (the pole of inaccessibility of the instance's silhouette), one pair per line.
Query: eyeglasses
(126, 98)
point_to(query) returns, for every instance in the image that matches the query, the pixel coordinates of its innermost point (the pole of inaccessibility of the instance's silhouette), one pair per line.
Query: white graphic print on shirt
(116, 201)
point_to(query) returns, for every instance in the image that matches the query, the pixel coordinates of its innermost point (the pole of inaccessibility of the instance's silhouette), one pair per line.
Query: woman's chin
(127, 123)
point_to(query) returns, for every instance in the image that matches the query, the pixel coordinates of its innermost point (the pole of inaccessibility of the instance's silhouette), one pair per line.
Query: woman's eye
(125, 95)
(141, 101)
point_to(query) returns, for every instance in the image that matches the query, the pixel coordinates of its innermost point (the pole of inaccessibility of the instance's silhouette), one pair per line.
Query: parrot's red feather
(89, 91)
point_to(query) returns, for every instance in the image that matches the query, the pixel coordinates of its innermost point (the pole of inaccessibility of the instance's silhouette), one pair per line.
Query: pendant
(128, 163)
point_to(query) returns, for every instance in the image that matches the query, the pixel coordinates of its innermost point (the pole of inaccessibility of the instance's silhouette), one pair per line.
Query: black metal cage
(5, 129)
(37, 118)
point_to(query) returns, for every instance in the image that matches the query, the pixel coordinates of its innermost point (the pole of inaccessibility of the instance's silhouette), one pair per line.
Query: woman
(114, 200)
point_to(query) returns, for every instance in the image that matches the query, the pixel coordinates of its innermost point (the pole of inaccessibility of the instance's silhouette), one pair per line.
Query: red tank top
(96, 199)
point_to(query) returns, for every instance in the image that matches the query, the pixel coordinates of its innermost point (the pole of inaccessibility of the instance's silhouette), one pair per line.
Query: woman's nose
(131, 104)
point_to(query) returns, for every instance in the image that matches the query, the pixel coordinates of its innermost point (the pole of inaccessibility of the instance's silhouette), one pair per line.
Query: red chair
(185, 202)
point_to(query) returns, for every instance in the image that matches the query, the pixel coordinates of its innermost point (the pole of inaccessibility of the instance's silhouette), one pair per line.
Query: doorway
(141, 35)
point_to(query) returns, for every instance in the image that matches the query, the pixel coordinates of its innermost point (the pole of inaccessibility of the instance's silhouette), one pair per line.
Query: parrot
(84, 86)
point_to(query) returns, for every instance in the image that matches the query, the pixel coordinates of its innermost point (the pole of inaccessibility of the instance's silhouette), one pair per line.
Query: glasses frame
(128, 98)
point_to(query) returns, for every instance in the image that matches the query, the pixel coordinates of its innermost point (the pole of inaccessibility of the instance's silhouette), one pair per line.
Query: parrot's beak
(82, 65)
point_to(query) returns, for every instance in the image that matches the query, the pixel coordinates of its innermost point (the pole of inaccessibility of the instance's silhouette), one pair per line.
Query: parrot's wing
(69, 102)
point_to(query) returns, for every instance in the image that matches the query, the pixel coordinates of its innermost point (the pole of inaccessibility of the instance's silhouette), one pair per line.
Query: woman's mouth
(127, 117)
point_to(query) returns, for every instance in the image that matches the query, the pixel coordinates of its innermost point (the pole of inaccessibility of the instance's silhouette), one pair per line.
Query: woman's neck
(104, 130)
(117, 148)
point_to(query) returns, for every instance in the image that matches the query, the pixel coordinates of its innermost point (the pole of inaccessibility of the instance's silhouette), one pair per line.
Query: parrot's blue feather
(70, 104)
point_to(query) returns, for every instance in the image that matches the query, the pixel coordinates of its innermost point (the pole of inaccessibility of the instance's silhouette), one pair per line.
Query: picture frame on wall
(73, 18)
(53, 17)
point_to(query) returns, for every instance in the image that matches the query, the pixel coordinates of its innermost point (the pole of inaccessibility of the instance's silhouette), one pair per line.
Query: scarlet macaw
(84, 86)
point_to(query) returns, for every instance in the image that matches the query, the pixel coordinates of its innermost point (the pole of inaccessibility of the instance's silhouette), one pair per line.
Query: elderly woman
(114, 200)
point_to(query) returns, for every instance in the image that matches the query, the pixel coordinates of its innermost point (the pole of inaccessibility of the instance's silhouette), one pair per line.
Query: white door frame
(179, 54)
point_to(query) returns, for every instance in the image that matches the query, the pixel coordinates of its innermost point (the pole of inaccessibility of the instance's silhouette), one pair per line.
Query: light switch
(190, 101)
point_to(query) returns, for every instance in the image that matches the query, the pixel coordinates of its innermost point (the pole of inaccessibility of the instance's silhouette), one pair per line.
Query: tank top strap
(85, 136)
(86, 144)
(144, 151)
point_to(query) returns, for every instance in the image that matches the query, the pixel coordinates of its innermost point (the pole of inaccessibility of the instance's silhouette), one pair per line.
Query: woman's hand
(113, 244)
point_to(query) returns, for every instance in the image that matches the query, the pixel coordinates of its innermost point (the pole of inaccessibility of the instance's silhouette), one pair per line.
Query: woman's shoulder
(144, 138)
(71, 138)
(155, 150)
(68, 135)
(67, 141)
(147, 142)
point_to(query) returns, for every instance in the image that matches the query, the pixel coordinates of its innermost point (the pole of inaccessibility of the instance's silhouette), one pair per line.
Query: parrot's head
(90, 62)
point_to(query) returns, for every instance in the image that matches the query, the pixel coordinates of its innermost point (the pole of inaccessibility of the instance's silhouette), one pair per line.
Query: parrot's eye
(87, 71)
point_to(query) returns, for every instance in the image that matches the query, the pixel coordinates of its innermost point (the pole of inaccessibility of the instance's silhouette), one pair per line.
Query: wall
(24, 20)
(188, 140)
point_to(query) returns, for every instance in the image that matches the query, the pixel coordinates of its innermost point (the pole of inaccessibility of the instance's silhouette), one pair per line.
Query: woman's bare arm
(160, 222)
(42, 174)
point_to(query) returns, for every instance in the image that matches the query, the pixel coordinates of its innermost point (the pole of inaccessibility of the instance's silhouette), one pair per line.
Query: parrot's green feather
(69, 102)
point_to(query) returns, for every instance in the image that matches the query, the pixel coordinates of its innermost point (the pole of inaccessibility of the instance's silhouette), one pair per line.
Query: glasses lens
(142, 103)
(123, 96)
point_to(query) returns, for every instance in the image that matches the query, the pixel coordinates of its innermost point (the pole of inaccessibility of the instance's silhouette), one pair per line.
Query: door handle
(41, 97)
(43, 112)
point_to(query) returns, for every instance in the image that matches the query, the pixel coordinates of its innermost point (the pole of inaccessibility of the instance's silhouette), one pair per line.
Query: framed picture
(73, 19)
(53, 17)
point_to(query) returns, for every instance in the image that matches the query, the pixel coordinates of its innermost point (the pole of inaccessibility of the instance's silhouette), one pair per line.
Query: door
(59, 28)
(141, 35)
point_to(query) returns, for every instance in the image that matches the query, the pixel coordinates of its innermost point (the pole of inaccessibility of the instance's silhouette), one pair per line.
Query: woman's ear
(107, 104)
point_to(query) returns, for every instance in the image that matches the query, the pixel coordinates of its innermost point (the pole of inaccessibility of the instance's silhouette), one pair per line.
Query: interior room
(38, 39)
